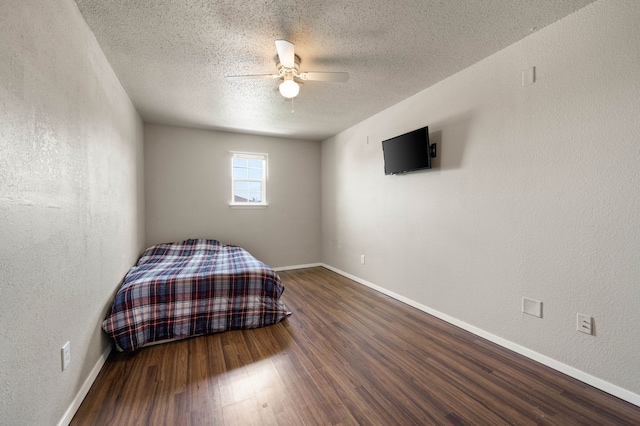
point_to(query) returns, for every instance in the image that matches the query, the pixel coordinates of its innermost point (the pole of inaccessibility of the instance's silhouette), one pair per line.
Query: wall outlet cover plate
(532, 307)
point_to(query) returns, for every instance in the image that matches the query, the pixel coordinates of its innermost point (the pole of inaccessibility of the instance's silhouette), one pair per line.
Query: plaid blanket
(193, 287)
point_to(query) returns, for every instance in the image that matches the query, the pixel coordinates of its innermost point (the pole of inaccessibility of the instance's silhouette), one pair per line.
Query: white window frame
(263, 180)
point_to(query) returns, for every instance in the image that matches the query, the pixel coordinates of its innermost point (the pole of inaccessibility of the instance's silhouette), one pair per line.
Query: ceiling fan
(288, 64)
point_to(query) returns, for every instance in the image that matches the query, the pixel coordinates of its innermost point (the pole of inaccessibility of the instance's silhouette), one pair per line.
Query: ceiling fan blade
(285, 53)
(340, 77)
(253, 77)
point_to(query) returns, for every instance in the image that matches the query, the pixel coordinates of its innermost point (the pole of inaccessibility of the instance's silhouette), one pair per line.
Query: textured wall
(71, 204)
(188, 190)
(535, 193)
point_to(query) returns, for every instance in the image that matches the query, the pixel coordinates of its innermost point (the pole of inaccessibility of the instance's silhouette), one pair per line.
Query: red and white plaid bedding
(193, 287)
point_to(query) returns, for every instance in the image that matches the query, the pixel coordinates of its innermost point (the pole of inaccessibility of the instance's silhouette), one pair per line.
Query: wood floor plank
(347, 356)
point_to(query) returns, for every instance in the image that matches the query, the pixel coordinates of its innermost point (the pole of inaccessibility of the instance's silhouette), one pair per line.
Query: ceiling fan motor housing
(284, 70)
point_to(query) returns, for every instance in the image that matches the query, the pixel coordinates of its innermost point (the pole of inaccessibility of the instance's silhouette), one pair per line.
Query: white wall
(71, 204)
(535, 192)
(188, 190)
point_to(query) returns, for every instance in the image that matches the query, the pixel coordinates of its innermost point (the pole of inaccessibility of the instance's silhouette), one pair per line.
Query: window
(248, 179)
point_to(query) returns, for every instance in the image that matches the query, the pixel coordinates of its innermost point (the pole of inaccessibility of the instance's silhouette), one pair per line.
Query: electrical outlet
(66, 355)
(585, 323)
(362, 259)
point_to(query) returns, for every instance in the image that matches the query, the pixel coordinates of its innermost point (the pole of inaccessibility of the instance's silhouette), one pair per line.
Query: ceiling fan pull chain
(291, 105)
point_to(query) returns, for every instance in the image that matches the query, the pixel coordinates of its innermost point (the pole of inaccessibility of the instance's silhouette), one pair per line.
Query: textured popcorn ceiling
(172, 56)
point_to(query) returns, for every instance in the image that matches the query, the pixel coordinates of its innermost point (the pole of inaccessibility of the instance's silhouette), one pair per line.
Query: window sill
(248, 206)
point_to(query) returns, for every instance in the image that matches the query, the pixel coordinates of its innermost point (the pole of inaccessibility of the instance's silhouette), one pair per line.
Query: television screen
(408, 152)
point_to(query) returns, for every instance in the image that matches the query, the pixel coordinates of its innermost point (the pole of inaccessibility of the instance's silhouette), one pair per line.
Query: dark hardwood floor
(348, 355)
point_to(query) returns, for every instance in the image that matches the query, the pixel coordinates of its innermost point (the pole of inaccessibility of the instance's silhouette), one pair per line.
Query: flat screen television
(408, 152)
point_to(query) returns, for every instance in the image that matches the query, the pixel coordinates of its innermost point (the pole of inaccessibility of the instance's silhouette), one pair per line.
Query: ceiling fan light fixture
(289, 88)
(289, 76)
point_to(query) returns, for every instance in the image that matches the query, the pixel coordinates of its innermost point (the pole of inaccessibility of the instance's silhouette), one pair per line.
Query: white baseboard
(289, 268)
(549, 362)
(84, 390)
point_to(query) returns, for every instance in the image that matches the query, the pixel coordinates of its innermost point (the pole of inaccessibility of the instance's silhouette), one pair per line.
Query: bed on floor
(190, 288)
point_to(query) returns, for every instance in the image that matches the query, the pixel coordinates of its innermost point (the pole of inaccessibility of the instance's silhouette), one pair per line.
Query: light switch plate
(528, 76)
